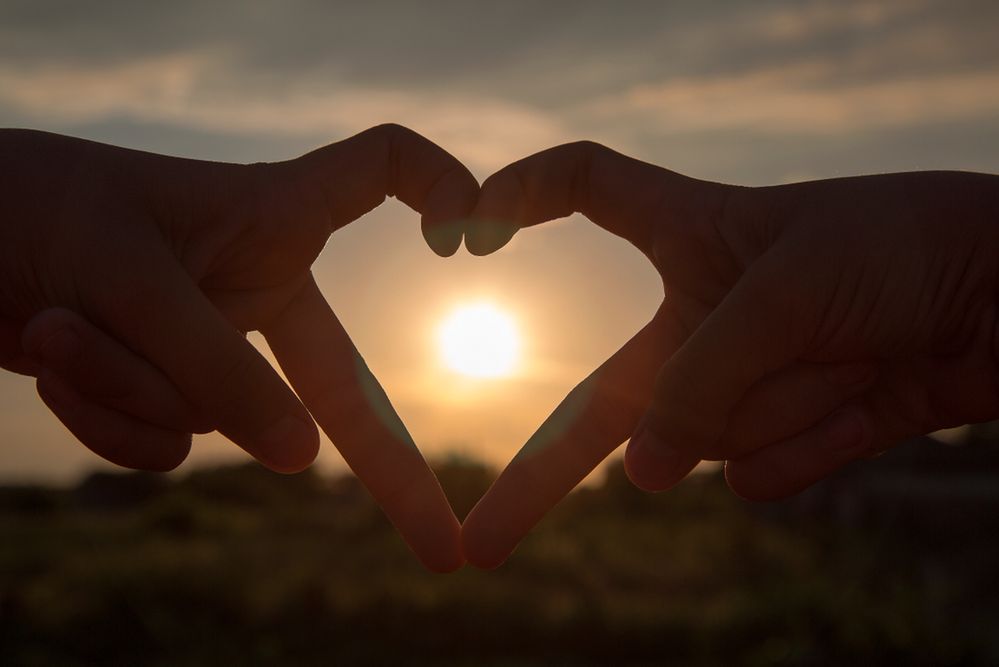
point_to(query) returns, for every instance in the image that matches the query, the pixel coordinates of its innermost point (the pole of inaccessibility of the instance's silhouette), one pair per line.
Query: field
(242, 566)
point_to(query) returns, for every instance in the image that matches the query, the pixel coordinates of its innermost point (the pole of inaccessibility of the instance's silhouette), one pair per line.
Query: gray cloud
(528, 48)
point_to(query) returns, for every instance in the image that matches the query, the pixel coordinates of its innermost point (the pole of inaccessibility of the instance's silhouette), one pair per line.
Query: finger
(777, 407)
(165, 318)
(392, 160)
(12, 357)
(325, 368)
(761, 327)
(114, 436)
(105, 372)
(588, 425)
(623, 195)
(907, 399)
(790, 401)
(792, 465)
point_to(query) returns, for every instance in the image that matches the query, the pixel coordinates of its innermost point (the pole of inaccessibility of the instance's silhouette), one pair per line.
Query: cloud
(806, 20)
(196, 90)
(807, 98)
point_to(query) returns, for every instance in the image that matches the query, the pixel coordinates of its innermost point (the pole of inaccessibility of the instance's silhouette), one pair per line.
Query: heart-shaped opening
(575, 293)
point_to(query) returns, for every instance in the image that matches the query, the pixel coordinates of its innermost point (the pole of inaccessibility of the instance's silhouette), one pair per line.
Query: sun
(479, 340)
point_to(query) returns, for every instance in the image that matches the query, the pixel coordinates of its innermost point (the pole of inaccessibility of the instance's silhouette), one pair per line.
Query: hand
(804, 326)
(171, 260)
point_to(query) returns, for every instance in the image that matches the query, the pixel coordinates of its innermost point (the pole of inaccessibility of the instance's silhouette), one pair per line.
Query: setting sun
(479, 340)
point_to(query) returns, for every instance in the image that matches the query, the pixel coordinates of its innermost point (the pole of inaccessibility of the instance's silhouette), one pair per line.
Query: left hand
(173, 260)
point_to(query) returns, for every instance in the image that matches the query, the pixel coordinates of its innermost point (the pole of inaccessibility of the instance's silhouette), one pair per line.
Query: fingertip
(444, 239)
(485, 236)
(446, 209)
(169, 459)
(487, 562)
(288, 446)
(426, 522)
(480, 544)
(495, 218)
(652, 465)
(445, 565)
(448, 559)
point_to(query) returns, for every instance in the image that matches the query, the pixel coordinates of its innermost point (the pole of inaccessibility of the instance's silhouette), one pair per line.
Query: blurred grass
(241, 566)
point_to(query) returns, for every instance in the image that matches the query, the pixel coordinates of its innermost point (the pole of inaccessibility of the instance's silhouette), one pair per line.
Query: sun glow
(479, 340)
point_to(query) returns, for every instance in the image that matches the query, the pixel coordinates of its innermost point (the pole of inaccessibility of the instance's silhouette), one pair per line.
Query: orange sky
(752, 92)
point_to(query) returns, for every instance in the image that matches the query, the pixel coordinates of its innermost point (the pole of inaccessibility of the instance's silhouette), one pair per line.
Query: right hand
(803, 326)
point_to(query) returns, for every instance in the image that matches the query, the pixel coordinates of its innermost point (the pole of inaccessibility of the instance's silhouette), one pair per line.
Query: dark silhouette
(171, 260)
(804, 327)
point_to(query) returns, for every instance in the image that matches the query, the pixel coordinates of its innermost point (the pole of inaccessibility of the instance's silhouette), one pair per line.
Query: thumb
(761, 326)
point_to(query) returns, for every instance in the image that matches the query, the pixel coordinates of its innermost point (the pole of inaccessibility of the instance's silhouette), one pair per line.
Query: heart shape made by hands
(392, 297)
(211, 250)
(225, 249)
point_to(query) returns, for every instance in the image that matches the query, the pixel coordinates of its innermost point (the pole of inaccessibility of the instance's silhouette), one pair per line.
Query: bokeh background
(209, 565)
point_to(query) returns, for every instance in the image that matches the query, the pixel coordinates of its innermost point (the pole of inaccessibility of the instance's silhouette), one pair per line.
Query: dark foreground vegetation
(894, 562)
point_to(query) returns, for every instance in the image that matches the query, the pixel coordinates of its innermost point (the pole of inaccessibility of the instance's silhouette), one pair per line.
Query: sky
(750, 92)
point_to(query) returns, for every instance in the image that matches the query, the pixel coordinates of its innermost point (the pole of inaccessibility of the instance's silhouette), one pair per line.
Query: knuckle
(391, 130)
(585, 148)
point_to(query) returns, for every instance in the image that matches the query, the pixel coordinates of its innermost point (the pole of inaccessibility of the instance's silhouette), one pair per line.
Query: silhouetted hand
(803, 326)
(157, 266)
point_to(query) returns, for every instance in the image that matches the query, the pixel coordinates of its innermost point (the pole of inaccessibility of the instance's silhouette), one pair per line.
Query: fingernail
(486, 236)
(846, 431)
(851, 374)
(59, 348)
(288, 445)
(444, 239)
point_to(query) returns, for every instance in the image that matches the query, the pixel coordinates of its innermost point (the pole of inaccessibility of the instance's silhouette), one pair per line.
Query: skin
(803, 326)
(128, 281)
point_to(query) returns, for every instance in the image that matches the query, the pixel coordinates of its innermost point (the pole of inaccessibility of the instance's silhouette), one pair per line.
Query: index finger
(625, 196)
(348, 403)
(596, 417)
